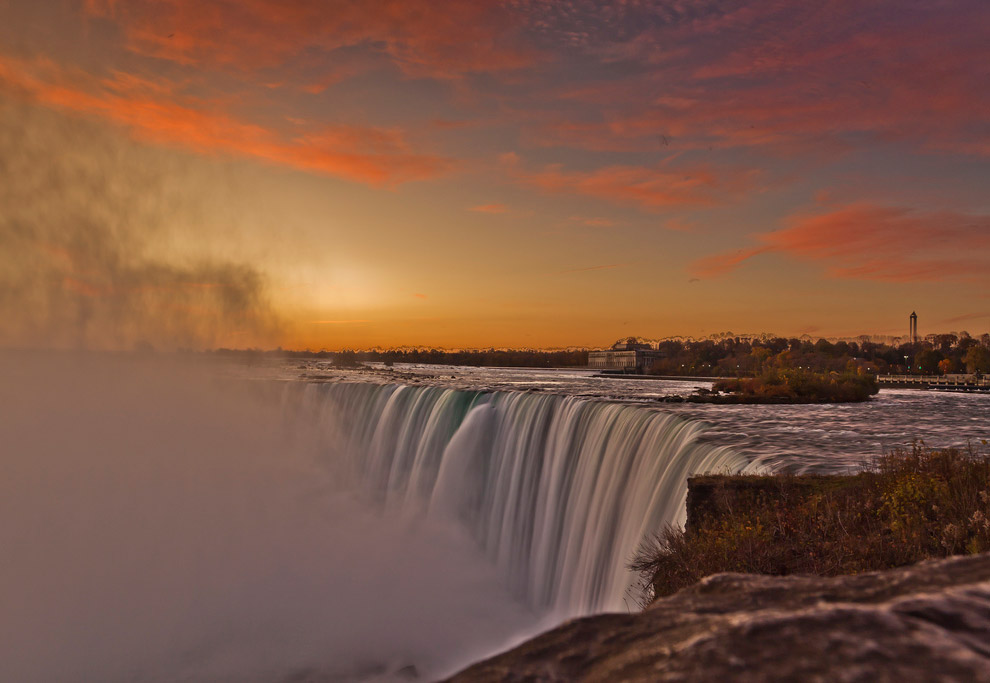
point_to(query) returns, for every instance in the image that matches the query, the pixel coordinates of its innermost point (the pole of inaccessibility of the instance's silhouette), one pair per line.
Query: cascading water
(558, 491)
(161, 522)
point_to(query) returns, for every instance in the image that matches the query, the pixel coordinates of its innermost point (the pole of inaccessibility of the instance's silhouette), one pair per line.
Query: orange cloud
(719, 264)
(377, 156)
(421, 38)
(646, 187)
(866, 242)
(489, 208)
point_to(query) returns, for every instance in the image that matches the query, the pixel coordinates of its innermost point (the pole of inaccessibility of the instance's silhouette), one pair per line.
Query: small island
(793, 386)
(787, 386)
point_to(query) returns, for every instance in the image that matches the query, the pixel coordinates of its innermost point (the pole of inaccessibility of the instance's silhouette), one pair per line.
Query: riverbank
(961, 383)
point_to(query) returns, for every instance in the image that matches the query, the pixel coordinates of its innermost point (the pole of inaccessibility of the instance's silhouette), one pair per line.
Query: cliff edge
(929, 621)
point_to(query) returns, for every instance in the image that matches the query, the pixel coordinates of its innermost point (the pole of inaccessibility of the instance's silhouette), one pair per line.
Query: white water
(827, 438)
(156, 526)
(558, 491)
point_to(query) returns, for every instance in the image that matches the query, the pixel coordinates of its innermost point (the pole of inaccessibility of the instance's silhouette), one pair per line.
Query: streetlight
(906, 362)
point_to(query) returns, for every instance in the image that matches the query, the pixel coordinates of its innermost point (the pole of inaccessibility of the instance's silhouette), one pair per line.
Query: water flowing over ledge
(558, 491)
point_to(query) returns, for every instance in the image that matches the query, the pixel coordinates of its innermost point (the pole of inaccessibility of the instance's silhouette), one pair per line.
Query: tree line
(727, 357)
(939, 354)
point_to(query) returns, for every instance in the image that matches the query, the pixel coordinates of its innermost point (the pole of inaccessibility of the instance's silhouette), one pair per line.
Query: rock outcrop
(927, 622)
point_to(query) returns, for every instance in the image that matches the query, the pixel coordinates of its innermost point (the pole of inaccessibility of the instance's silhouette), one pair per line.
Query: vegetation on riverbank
(799, 386)
(735, 356)
(912, 505)
(724, 357)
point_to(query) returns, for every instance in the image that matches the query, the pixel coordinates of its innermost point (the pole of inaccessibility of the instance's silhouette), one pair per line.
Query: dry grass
(913, 505)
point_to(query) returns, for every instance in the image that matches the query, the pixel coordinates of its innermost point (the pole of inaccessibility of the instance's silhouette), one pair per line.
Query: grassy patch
(913, 505)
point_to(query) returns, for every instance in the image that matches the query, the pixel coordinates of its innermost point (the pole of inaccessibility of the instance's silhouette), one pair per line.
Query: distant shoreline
(673, 378)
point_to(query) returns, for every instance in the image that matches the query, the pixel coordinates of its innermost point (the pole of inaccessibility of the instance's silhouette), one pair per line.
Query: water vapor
(160, 525)
(89, 257)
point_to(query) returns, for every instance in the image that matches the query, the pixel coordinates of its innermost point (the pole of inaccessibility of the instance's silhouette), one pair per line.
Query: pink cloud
(782, 77)
(647, 187)
(867, 242)
(421, 38)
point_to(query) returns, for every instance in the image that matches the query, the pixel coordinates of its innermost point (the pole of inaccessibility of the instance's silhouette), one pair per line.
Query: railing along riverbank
(935, 382)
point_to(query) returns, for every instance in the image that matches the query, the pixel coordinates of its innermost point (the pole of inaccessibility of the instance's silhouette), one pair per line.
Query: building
(913, 328)
(626, 355)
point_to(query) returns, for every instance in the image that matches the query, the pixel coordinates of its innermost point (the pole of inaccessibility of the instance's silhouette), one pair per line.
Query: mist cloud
(87, 225)
(161, 521)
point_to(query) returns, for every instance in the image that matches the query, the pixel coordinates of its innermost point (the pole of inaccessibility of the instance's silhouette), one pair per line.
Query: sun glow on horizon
(477, 174)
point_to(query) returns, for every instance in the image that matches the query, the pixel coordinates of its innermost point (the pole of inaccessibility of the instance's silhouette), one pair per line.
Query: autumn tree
(760, 355)
(927, 361)
(978, 359)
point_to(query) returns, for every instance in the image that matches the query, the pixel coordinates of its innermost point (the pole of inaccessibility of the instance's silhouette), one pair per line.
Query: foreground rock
(927, 622)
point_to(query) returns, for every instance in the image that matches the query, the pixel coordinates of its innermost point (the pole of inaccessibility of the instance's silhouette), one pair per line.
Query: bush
(912, 505)
(803, 386)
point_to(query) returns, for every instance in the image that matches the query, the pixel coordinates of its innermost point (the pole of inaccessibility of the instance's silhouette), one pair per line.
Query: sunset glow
(517, 173)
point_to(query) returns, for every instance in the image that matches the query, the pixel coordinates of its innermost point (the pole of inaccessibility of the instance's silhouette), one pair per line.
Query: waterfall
(558, 491)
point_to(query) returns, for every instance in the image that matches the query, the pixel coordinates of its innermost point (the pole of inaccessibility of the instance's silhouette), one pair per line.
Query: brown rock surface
(928, 622)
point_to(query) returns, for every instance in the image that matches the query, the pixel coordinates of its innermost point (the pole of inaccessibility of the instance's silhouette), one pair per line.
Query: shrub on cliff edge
(913, 505)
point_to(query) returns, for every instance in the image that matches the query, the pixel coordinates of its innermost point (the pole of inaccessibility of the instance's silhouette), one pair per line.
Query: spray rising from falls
(558, 491)
(160, 523)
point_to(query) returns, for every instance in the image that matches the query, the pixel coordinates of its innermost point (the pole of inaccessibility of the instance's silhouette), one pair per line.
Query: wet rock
(409, 672)
(927, 622)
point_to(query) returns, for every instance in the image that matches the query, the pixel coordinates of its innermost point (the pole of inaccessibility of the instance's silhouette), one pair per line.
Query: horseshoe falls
(161, 521)
(558, 491)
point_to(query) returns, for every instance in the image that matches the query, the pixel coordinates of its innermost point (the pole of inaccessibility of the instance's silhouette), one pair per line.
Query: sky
(524, 173)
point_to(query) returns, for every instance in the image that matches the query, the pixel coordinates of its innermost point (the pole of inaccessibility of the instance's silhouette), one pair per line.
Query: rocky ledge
(929, 622)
